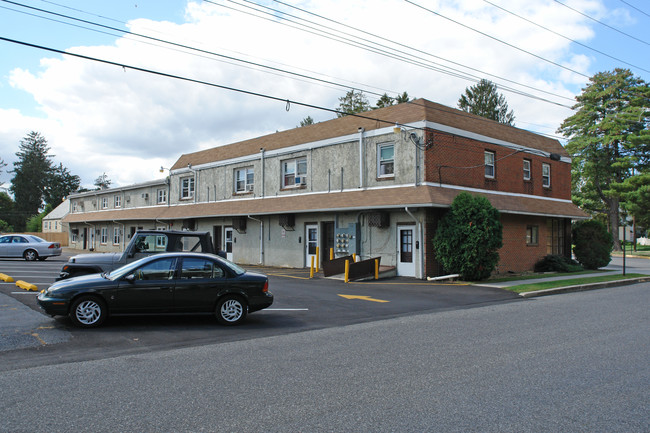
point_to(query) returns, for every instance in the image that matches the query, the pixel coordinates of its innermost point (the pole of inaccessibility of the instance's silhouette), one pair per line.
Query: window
(162, 196)
(386, 160)
(489, 164)
(200, 268)
(187, 188)
(546, 175)
(75, 206)
(118, 201)
(532, 235)
(526, 169)
(117, 235)
(294, 172)
(104, 236)
(244, 180)
(162, 269)
(75, 236)
(104, 202)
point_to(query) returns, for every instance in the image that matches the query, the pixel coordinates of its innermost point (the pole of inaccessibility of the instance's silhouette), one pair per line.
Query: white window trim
(248, 187)
(295, 162)
(161, 196)
(527, 173)
(103, 237)
(189, 188)
(104, 202)
(380, 146)
(492, 164)
(546, 177)
(117, 201)
(117, 235)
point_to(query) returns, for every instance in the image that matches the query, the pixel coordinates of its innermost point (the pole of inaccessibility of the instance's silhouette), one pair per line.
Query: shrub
(557, 263)
(592, 244)
(468, 237)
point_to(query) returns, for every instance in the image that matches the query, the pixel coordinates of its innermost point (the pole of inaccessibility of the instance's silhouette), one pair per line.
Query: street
(572, 362)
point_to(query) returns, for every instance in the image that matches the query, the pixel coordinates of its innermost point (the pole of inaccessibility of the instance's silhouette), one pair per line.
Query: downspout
(419, 240)
(262, 170)
(261, 238)
(361, 183)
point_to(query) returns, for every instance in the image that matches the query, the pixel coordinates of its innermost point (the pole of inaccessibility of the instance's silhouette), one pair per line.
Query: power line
(565, 37)
(286, 101)
(635, 8)
(602, 23)
(400, 56)
(498, 40)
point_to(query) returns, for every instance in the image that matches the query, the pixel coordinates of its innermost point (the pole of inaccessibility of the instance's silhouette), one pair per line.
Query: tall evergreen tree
(484, 100)
(102, 182)
(608, 140)
(31, 173)
(60, 184)
(353, 102)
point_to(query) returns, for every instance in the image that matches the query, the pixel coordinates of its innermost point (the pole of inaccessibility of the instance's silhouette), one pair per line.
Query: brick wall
(460, 161)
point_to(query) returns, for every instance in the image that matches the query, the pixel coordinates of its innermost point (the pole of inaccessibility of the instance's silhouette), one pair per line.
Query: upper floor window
(244, 180)
(546, 175)
(162, 196)
(118, 201)
(75, 206)
(526, 169)
(187, 188)
(489, 164)
(386, 160)
(294, 172)
(104, 202)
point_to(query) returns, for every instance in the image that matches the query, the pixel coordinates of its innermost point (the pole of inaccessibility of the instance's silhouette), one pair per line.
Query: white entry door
(227, 242)
(406, 251)
(311, 242)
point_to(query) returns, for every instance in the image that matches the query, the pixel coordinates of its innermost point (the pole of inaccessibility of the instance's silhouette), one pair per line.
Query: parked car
(143, 243)
(29, 247)
(166, 283)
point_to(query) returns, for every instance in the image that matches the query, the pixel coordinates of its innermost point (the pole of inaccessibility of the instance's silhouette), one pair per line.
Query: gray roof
(59, 212)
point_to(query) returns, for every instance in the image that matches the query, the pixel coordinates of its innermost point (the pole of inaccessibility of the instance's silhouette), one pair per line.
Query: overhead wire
(635, 8)
(563, 36)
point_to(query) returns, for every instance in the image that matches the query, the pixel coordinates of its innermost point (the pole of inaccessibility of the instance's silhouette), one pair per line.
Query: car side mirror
(130, 278)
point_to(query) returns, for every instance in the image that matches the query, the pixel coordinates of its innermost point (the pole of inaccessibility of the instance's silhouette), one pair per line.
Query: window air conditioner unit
(301, 180)
(145, 195)
(250, 187)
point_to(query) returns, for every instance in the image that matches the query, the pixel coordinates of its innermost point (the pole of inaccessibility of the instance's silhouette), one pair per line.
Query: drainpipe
(262, 162)
(261, 238)
(361, 184)
(420, 273)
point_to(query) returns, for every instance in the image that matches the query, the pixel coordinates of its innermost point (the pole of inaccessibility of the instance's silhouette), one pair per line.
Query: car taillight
(266, 286)
(53, 246)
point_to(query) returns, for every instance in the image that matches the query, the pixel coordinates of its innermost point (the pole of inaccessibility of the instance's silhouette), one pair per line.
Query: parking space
(300, 304)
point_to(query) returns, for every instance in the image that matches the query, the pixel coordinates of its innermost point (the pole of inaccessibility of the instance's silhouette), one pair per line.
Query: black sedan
(169, 283)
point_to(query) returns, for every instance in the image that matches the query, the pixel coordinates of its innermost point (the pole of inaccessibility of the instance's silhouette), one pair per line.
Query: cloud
(105, 119)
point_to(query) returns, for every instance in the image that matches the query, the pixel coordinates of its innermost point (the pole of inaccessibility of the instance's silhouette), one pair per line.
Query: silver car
(29, 247)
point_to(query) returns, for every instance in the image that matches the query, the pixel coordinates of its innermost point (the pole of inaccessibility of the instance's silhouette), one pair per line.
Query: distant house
(53, 222)
(376, 186)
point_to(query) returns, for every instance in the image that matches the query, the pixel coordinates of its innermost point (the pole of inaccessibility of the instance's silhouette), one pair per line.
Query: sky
(240, 60)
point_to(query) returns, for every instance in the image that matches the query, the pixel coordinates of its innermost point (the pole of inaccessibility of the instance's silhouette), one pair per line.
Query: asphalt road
(29, 338)
(574, 362)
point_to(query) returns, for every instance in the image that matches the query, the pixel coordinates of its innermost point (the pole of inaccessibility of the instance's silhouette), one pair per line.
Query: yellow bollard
(317, 258)
(331, 253)
(376, 269)
(311, 268)
(347, 270)
(354, 257)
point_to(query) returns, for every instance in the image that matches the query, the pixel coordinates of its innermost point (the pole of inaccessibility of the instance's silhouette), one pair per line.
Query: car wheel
(88, 312)
(30, 255)
(231, 310)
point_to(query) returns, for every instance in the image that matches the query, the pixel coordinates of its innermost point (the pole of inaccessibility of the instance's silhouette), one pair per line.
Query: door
(227, 242)
(327, 241)
(311, 242)
(84, 237)
(405, 250)
(150, 291)
(216, 238)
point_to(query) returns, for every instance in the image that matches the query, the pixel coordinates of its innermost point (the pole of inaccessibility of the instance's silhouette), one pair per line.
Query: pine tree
(484, 100)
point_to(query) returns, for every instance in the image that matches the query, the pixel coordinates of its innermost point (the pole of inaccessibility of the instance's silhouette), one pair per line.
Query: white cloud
(101, 118)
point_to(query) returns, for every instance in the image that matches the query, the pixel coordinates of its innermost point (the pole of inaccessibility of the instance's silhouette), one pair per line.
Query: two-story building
(374, 185)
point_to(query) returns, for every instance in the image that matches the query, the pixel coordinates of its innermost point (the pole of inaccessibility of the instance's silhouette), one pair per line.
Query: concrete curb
(581, 287)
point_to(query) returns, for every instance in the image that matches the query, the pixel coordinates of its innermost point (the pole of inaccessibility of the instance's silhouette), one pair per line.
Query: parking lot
(28, 337)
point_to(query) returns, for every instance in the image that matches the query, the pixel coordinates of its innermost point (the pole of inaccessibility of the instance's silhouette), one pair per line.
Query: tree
(608, 139)
(31, 173)
(484, 100)
(102, 182)
(35, 223)
(404, 97)
(386, 101)
(468, 237)
(635, 192)
(306, 121)
(6, 212)
(353, 102)
(592, 243)
(60, 184)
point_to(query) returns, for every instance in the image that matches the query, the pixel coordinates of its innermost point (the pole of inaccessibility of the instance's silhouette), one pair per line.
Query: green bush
(593, 244)
(468, 238)
(557, 263)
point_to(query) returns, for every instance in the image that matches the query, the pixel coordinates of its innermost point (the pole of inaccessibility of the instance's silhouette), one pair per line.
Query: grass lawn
(641, 250)
(570, 282)
(542, 275)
